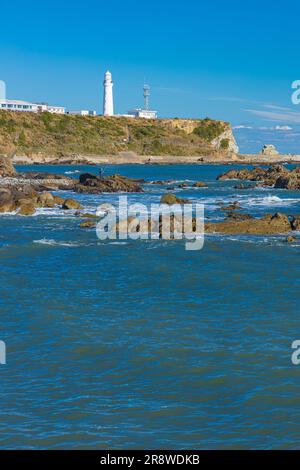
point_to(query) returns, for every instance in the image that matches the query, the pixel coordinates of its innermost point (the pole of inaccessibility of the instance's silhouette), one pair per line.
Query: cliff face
(226, 139)
(49, 134)
(223, 141)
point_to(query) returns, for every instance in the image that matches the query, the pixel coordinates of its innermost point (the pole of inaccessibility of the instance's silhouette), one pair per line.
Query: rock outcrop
(93, 184)
(226, 142)
(277, 176)
(269, 150)
(6, 167)
(267, 225)
(171, 199)
(25, 200)
(71, 204)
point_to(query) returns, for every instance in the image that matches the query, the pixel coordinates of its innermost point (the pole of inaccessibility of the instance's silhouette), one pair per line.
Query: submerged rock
(199, 184)
(88, 224)
(231, 207)
(291, 239)
(238, 216)
(245, 186)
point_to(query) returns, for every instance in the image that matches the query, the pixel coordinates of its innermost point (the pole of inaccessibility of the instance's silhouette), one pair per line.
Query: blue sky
(227, 60)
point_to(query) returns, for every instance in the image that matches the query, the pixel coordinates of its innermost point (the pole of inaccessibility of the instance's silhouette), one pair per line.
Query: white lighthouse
(108, 101)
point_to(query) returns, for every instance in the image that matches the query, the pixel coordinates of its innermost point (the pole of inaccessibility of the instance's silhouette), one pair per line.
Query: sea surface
(142, 344)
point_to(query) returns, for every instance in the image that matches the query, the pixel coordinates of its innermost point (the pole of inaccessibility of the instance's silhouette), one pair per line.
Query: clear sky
(228, 60)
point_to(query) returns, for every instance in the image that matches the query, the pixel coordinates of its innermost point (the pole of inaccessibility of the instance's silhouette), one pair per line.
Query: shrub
(208, 129)
(224, 144)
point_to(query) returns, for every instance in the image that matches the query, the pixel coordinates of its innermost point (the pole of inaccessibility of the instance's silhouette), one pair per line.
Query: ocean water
(142, 344)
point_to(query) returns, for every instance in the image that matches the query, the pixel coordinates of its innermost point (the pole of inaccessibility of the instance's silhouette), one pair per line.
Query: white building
(83, 112)
(43, 108)
(108, 100)
(25, 106)
(145, 113)
(18, 105)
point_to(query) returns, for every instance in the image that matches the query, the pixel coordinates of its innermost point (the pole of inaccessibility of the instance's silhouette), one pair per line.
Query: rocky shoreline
(127, 158)
(23, 193)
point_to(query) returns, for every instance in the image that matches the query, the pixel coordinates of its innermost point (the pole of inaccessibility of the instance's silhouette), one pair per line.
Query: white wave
(8, 213)
(118, 243)
(47, 241)
(270, 201)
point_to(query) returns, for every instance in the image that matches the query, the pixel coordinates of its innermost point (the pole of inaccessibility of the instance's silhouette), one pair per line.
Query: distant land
(68, 139)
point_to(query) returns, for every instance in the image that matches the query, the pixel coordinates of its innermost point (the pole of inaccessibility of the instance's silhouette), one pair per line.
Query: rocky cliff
(45, 134)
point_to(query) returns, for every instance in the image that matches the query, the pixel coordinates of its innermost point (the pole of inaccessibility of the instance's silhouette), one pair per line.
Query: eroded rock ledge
(277, 176)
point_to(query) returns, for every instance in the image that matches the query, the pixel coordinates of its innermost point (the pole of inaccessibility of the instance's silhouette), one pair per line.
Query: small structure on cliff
(145, 113)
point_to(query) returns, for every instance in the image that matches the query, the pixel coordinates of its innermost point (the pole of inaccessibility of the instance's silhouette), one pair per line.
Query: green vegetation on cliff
(208, 129)
(52, 134)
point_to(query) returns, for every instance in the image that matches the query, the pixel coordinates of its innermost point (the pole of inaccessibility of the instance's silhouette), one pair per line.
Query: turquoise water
(142, 344)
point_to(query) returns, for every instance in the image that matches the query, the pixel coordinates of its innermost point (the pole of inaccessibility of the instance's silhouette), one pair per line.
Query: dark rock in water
(244, 174)
(245, 186)
(116, 183)
(86, 215)
(276, 175)
(296, 222)
(231, 207)
(87, 177)
(45, 181)
(71, 204)
(46, 199)
(162, 182)
(291, 239)
(172, 199)
(199, 184)
(58, 200)
(290, 180)
(238, 216)
(7, 201)
(24, 198)
(27, 209)
(88, 224)
(6, 167)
